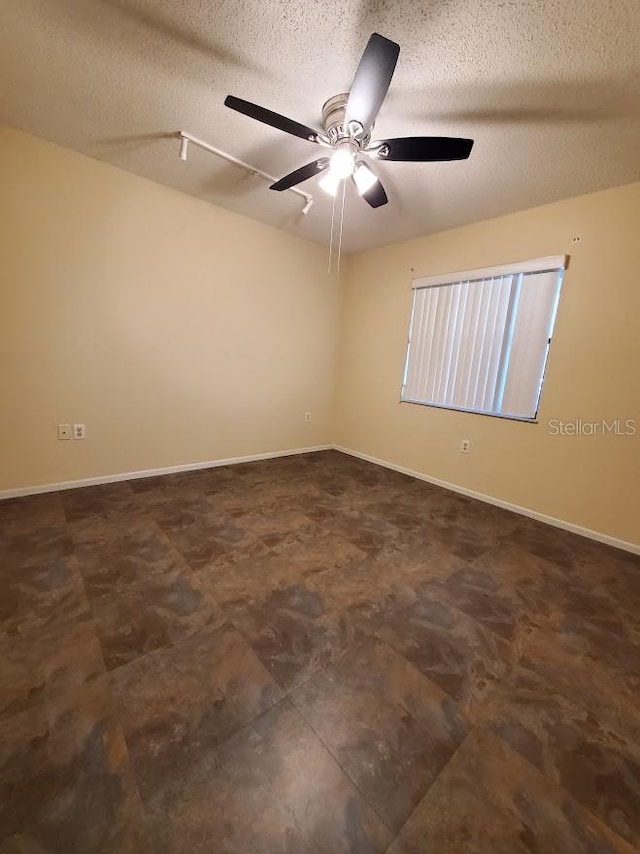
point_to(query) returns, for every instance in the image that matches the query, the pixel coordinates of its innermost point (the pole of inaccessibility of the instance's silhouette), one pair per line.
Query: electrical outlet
(78, 431)
(465, 446)
(307, 416)
(64, 431)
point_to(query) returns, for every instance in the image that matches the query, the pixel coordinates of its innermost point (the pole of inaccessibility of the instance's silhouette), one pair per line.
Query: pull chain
(333, 210)
(344, 191)
(339, 229)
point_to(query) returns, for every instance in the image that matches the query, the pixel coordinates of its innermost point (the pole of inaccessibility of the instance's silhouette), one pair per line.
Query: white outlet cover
(78, 431)
(64, 431)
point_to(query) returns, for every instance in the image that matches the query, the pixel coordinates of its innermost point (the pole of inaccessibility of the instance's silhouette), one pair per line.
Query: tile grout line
(471, 731)
(553, 783)
(106, 674)
(246, 725)
(484, 726)
(346, 774)
(226, 739)
(147, 517)
(86, 595)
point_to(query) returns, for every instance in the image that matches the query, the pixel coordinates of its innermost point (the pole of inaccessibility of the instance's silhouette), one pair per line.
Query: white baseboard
(634, 548)
(133, 475)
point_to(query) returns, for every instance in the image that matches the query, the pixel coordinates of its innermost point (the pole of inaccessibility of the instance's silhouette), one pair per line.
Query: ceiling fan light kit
(343, 160)
(364, 178)
(348, 121)
(330, 183)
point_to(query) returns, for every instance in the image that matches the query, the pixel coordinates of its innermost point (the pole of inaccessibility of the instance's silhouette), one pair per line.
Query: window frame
(548, 264)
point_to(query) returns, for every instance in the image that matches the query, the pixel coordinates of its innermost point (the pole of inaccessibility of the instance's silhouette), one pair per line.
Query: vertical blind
(480, 343)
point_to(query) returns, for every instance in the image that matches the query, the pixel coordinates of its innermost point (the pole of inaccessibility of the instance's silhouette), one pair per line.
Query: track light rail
(186, 139)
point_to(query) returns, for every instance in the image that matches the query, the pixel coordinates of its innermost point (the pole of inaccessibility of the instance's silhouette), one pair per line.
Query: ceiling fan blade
(301, 174)
(268, 117)
(376, 196)
(371, 82)
(422, 149)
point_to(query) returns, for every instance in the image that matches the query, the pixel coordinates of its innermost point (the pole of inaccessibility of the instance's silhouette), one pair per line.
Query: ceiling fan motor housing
(333, 122)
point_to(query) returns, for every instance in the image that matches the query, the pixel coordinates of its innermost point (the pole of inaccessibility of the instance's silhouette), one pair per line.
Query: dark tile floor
(312, 654)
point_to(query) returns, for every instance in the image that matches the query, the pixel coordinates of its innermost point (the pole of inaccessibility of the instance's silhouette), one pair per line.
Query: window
(478, 340)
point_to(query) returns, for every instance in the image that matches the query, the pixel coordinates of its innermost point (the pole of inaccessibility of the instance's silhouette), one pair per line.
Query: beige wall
(179, 332)
(176, 331)
(593, 371)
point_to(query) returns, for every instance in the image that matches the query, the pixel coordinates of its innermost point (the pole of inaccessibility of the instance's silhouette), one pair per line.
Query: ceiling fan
(348, 121)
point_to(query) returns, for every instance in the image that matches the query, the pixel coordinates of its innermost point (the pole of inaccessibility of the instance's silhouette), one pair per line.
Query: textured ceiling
(549, 90)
